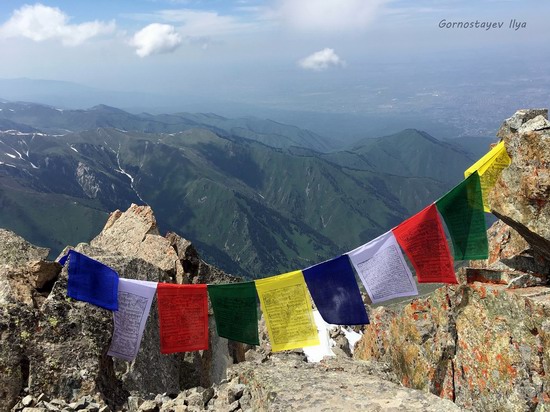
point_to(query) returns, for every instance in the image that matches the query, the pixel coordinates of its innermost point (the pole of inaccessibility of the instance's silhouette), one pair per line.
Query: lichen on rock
(484, 343)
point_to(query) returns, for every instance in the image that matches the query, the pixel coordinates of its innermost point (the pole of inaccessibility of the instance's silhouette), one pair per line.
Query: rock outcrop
(57, 346)
(485, 343)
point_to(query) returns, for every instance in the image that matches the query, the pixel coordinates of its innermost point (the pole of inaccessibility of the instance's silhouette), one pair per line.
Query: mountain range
(256, 196)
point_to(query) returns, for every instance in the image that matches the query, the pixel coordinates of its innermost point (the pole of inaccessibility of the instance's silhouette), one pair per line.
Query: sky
(294, 54)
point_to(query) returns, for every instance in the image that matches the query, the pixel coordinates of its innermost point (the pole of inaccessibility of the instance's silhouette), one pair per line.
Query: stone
(148, 406)
(195, 399)
(235, 392)
(521, 195)
(341, 344)
(40, 398)
(207, 394)
(28, 400)
(133, 403)
(234, 406)
(161, 398)
(519, 118)
(79, 404)
(51, 407)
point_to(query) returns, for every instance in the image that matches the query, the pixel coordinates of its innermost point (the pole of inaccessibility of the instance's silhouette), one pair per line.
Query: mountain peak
(105, 108)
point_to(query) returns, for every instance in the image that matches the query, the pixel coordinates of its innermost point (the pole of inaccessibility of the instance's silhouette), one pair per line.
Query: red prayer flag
(423, 240)
(183, 317)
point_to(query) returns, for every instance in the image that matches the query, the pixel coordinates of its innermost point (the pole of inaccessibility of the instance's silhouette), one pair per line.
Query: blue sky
(273, 52)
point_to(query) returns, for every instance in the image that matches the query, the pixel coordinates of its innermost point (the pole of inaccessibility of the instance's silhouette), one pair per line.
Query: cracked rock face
(521, 197)
(485, 343)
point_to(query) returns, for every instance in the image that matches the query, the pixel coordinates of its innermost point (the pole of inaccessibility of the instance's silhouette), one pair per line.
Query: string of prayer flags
(91, 281)
(334, 290)
(382, 269)
(183, 317)
(134, 304)
(236, 311)
(423, 240)
(462, 211)
(489, 168)
(287, 309)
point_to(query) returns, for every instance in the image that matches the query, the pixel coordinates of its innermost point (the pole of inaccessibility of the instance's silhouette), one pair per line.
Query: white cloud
(321, 60)
(156, 38)
(329, 15)
(39, 23)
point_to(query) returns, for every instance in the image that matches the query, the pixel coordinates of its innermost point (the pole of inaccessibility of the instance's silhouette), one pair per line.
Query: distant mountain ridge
(60, 121)
(251, 208)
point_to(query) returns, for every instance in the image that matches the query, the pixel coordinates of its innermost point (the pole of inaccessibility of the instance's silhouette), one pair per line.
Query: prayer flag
(335, 292)
(423, 240)
(489, 168)
(287, 309)
(183, 317)
(134, 303)
(383, 270)
(91, 281)
(462, 211)
(236, 311)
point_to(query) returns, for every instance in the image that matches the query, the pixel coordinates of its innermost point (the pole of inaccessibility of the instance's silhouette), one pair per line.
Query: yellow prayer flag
(489, 168)
(287, 309)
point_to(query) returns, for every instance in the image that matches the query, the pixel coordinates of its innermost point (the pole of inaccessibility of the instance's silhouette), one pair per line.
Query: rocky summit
(481, 345)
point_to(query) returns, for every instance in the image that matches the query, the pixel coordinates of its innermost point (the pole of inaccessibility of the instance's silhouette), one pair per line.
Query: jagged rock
(284, 384)
(135, 233)
(148, 406)
(235, 392)
(341, 343)
(486, 346)
(58, 346)
(521, 195)
(196, 270)
(234, 406)
(28, 400)
(27, 283)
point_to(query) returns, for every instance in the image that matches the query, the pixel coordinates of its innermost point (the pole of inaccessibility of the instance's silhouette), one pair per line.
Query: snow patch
(317, 353)
(10, 155)
(352, 337)
(124, 172)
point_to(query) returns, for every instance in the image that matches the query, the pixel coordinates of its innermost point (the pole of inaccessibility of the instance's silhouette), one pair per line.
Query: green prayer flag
(462, 211)
(236, 311)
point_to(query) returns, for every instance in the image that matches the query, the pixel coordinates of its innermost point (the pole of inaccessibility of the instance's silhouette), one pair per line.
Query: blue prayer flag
(335, 292)
(91, 281)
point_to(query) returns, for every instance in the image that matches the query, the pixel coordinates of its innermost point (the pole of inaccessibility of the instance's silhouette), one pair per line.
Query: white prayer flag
(382, 269)
(134, 303)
